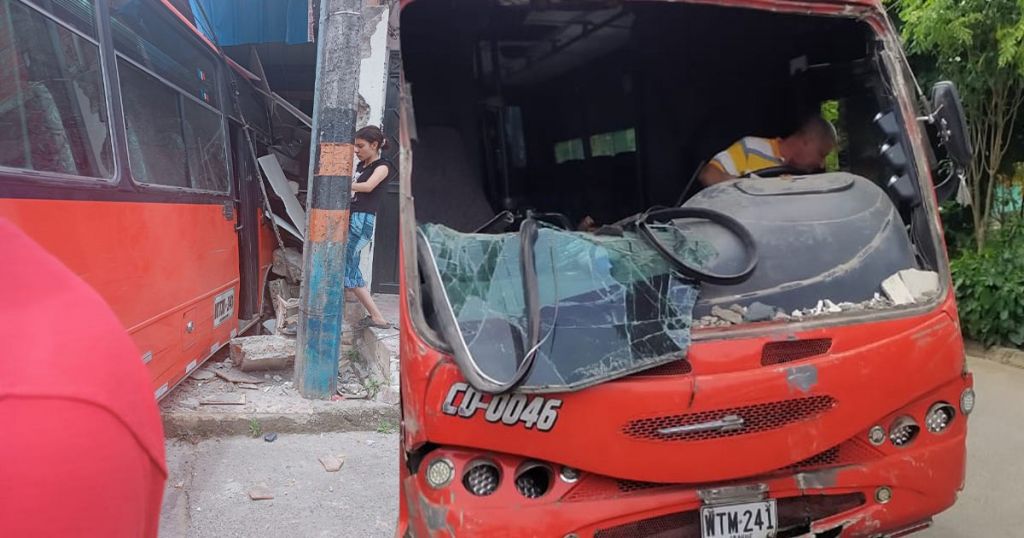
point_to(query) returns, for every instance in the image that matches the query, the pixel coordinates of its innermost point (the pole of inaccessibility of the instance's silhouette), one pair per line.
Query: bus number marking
(509, 409)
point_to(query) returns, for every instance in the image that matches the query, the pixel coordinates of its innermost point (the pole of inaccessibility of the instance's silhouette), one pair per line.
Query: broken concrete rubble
(726, 317)
(731, 316)
(911, 286)
(896, 290)
(759, 312)
(288, 263)
(224, 399)
(281, 288)
(923, 285)
(202, 375)
(234, 376)
(260, 492)
(252, 353)
(332, 464)
(287, 316)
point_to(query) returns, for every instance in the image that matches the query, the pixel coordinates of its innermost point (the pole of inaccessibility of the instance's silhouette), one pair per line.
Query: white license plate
(749, 520)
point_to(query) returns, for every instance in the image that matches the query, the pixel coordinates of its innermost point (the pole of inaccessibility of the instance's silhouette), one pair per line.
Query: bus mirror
(950, 124)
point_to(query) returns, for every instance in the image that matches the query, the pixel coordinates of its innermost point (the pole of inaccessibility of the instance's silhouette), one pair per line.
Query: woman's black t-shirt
(367, 202)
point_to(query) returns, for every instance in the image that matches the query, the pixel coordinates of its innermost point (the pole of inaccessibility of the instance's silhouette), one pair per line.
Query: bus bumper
(894, 495)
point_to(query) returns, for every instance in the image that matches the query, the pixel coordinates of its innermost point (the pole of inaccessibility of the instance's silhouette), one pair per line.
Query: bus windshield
(607, 305)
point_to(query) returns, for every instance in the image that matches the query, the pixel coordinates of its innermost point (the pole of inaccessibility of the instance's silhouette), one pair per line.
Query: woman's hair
(373, 135)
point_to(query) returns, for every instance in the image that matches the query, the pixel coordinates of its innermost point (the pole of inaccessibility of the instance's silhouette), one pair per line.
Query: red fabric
(81, 443)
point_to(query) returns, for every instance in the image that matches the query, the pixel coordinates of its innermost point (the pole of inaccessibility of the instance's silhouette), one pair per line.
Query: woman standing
(371, 172)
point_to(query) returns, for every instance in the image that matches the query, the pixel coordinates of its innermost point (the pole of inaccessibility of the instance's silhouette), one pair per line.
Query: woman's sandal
(368, 322)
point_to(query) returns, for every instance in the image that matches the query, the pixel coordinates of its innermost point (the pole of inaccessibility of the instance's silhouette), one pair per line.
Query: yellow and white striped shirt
(749, 154)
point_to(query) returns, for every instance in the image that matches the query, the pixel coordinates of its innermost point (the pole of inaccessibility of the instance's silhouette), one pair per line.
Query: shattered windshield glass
(609, 305)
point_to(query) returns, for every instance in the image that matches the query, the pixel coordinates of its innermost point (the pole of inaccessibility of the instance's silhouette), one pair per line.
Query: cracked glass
(609, 305)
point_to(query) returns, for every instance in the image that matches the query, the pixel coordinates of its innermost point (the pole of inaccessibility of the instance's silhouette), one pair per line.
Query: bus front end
(775, 355)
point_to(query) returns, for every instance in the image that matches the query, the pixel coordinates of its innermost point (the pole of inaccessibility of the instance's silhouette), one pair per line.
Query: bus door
(246, 189)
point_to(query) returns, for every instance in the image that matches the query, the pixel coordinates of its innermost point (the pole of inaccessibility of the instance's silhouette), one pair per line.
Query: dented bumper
(869, 486)
(923, 481)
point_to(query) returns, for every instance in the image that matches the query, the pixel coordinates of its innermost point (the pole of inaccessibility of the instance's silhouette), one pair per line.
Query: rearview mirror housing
(951, 124)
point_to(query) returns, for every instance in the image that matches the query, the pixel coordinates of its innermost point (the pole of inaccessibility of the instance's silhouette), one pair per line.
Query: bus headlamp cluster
(905, 429)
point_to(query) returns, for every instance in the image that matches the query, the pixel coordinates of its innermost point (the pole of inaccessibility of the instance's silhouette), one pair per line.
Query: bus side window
(53, 110)
(168, 82)
(156, 147)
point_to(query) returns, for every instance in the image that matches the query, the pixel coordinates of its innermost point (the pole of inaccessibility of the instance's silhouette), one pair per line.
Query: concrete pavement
(992, 504)
(361, 500)
(207, 493)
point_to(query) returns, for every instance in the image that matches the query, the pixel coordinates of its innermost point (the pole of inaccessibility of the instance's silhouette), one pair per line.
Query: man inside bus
(805, 150)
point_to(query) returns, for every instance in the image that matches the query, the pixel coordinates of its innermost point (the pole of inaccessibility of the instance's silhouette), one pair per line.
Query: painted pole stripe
(335, 159)
(328, 225)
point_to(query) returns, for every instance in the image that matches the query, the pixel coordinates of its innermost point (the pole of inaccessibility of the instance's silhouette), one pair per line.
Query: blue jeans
(360, 233)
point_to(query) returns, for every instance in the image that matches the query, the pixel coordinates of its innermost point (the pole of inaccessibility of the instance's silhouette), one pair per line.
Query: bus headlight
(482, 478)
(903, 431)
(939, 417)
(440, 473)
(967, 401)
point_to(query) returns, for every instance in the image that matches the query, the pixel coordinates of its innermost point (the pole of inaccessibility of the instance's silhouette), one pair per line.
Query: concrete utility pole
(321, 310)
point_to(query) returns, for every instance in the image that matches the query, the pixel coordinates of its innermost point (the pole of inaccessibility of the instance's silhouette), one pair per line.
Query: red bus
(128, 151)
(776, 355)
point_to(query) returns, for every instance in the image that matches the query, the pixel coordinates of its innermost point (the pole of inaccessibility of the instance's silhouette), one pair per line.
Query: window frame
(61, 178)
(176, 26)
(181, 94)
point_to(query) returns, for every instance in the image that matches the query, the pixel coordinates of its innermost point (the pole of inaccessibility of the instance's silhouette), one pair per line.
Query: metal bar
(322, 296)
(724, 424)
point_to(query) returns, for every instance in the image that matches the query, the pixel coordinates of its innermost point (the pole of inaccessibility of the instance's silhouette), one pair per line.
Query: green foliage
(830, 111)
(386, 426)
(990, 287)
(979, 44)
(975, 41)
(255, 428)
(956, 223)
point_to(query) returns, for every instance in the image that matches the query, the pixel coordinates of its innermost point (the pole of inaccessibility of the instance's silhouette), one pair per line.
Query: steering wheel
(734, 226)
(776, 171)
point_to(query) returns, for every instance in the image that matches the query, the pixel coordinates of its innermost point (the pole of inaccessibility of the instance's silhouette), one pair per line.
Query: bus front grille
(731, 422)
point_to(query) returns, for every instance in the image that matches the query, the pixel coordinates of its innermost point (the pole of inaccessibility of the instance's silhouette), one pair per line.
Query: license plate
(749, 520)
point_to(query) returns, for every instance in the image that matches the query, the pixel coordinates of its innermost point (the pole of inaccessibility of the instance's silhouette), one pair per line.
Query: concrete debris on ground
(234, 376)
(353, 391)
(332, 464)
(203, 375)
(260, 492)
(251, 353)
(286, 312)
(224, 399)
(288, 263)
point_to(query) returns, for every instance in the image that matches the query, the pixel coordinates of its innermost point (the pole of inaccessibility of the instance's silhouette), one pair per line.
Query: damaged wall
(373, 74)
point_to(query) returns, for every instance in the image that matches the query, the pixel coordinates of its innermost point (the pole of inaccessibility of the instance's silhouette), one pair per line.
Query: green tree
(979, 44)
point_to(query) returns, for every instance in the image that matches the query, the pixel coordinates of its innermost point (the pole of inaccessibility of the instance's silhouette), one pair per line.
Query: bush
(990, 287)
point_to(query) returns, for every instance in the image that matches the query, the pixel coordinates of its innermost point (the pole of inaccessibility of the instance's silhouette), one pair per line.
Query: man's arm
(713, 173)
